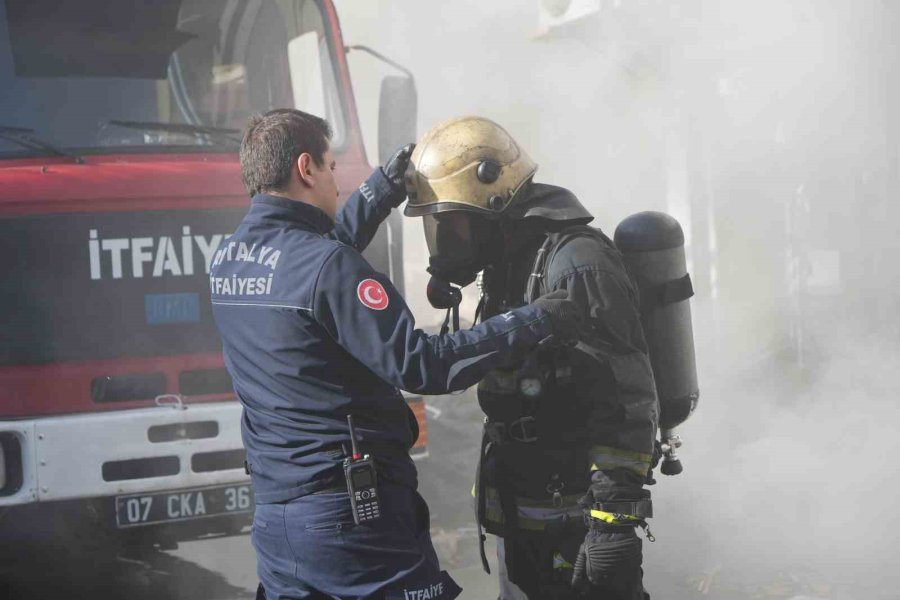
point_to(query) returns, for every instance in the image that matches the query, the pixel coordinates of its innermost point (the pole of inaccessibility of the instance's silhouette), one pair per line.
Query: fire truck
(120, 124)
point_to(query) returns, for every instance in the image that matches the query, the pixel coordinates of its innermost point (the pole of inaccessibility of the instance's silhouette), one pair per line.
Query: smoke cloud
(769, 129)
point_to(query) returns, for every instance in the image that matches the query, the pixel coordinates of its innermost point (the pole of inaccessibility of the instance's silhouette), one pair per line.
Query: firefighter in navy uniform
(312, 334)
(570, 430)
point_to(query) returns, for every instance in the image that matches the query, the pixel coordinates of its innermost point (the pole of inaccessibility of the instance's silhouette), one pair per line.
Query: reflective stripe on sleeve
(615, 518)
(606, 457)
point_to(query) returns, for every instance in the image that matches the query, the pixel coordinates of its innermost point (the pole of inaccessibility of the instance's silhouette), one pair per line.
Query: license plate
(183, 505)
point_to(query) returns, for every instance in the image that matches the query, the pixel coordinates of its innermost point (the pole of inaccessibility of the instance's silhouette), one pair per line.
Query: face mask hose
(443, 295)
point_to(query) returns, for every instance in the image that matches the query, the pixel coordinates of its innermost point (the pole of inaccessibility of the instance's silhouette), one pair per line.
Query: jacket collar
(269, 206)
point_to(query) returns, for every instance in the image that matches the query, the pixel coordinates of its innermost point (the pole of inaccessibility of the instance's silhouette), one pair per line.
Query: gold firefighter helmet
(467, 163)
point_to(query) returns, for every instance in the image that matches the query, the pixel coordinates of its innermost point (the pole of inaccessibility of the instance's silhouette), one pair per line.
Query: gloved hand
(654, 461)
(395, 170)
(565, 316)
(607, 554)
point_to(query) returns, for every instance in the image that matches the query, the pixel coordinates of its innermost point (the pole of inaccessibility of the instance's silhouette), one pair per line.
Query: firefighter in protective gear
(569, 436)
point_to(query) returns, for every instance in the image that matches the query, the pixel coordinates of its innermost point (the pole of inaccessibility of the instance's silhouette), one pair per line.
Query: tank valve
(671, 464)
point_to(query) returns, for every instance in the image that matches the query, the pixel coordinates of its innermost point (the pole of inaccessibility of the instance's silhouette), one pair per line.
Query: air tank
(652, 246)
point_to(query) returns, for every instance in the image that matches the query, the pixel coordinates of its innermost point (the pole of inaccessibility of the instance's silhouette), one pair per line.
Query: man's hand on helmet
(565, 315)
(395, 170)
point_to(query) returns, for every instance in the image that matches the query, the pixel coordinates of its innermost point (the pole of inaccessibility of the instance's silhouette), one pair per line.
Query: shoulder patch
(372, 294)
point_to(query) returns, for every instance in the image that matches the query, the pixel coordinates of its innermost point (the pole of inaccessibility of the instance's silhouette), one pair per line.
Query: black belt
(375, 448)
(342, 450)
(342, 487)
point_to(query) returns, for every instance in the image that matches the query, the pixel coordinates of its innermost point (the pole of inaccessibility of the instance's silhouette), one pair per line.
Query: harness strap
(536, 286)
(664, 294)
(481, 504)
(478, 310)
(619, 519)
(642, 509)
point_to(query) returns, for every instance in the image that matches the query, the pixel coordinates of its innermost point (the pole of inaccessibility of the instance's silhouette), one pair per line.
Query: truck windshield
(101, 76)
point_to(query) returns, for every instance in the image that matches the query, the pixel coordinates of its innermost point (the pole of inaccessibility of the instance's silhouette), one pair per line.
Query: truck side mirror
(397, 113)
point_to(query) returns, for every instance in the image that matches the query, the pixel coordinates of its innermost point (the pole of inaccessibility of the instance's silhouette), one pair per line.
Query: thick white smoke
(770, 130)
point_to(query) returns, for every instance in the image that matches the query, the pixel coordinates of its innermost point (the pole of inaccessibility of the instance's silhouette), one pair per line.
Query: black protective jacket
(567, 420)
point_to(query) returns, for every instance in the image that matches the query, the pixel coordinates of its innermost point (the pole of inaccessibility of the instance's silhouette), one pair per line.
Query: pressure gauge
(530, 387)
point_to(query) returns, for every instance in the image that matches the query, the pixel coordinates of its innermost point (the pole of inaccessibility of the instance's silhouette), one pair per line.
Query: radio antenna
(356, 454)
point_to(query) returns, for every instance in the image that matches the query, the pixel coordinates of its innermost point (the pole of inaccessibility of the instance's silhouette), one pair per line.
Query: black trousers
(540, 568)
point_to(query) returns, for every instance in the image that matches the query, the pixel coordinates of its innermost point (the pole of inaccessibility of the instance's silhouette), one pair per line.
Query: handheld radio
(361, 482)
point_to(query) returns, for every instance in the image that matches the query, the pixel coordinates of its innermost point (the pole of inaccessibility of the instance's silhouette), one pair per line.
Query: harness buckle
(523, 429)
(555, 487)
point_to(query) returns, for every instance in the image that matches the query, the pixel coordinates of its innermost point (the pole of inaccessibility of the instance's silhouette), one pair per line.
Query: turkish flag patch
(372, 294)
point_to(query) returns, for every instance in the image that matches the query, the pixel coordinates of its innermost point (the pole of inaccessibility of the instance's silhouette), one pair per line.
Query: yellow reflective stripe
(614, 518)
(620, 453)
(607, 457)
(561, 563)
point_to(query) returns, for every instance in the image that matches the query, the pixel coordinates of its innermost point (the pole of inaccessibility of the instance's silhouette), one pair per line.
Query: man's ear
(304, 170)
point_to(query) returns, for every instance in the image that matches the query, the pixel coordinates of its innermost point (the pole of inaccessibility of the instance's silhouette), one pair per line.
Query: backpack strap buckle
(523, 429)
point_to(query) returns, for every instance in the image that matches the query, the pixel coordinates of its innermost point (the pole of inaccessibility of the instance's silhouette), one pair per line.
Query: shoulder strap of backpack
(537, 280)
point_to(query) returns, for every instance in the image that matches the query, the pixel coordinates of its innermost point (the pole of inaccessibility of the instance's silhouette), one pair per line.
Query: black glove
(654, 461)
(395, 170)
(607, 556)
(565, 316)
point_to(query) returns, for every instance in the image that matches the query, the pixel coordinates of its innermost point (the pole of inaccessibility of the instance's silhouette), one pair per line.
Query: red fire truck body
(113, 393)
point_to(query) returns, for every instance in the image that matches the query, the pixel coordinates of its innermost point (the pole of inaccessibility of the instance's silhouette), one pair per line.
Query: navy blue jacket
(312, 333)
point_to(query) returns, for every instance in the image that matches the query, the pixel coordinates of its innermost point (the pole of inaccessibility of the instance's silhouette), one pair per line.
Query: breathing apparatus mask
(460, 245)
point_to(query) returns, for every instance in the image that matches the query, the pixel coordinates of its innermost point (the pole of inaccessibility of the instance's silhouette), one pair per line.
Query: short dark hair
(274, 141)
